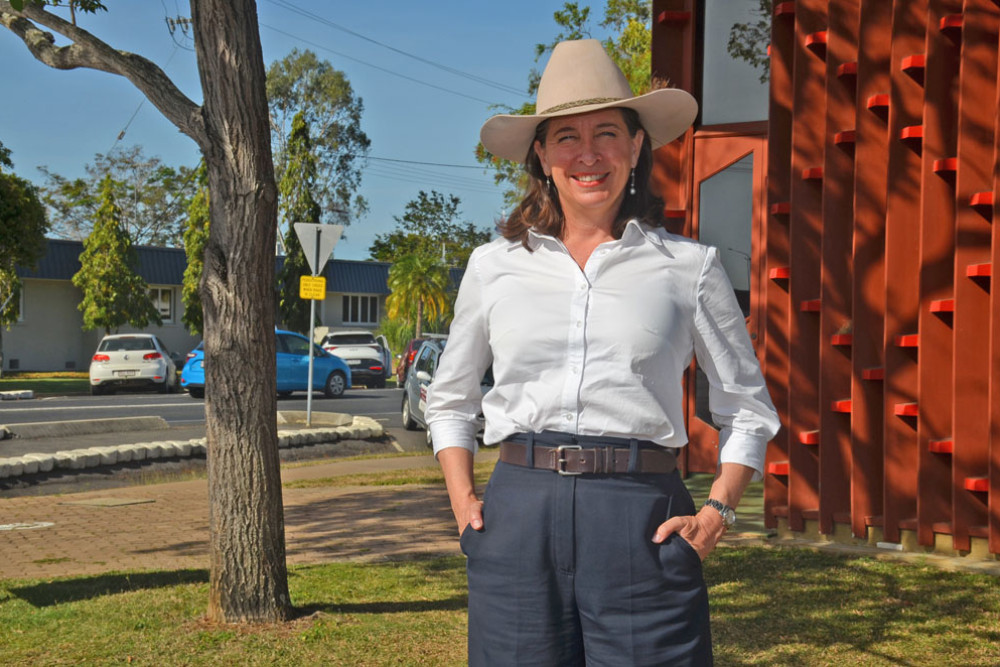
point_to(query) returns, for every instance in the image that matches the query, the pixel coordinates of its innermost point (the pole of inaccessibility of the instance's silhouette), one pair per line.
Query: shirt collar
(634, 232)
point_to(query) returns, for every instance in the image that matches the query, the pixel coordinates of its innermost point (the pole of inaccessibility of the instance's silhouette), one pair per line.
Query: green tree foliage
(113, 293)
(300, 83)
(748, 41)
(22, 238)
(296, 204)
(398, 331)
(429, 227)
(195, 238)
(418, 285)
(629, 45)
(152, 197)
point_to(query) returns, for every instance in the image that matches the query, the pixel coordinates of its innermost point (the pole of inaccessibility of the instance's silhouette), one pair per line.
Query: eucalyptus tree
(248, 576)
(302, 84)
(152, 196)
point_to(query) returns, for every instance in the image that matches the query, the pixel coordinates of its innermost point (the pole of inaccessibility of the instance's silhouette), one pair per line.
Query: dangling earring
(552, 186)
(631, 189)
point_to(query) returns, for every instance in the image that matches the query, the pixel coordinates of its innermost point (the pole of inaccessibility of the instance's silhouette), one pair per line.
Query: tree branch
(92, 53)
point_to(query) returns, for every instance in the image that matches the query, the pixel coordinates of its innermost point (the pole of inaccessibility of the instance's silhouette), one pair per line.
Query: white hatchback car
(132, 360)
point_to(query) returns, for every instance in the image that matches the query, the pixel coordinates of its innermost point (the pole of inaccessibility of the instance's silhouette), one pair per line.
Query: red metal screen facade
(882, 338)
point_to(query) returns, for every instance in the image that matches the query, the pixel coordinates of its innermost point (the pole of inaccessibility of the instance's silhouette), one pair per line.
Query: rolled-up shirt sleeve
(738, 396)
(454, 398)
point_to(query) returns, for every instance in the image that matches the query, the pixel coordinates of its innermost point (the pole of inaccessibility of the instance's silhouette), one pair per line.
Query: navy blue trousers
(564, 571)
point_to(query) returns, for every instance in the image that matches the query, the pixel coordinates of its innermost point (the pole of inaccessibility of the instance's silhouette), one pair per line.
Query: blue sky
(62, 119)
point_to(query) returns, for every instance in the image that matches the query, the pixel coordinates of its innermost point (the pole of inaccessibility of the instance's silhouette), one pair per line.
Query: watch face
(729, 517)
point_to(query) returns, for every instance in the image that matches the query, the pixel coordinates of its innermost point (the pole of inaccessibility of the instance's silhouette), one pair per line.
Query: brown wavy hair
(540, 209)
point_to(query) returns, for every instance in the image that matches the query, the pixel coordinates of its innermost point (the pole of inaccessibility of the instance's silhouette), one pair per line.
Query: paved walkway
(165, 526)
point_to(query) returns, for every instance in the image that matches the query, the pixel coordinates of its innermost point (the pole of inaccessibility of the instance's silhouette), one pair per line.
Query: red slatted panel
(868, 287)
(838, 226)
(902, 269)
(993, 534)
(937, 249)
(972, 298)
(776, 366)
(805, 241)
(893, 340)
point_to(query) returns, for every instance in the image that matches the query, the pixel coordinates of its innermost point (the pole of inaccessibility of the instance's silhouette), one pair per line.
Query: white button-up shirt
(599, 351)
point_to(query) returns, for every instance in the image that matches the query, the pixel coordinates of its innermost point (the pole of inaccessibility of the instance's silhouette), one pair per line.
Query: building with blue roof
(49, 335)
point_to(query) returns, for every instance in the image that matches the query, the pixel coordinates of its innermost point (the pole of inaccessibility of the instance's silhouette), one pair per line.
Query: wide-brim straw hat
(580, 77)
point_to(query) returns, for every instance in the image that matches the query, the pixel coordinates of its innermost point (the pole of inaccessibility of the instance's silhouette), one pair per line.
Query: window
(293, 345)
(360, 309)
(732, 91)
(163, 301)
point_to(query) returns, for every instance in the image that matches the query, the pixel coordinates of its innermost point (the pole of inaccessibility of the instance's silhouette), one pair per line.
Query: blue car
(331, 374)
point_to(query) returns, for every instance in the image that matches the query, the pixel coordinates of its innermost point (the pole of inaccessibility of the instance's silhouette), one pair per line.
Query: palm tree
(419, 283)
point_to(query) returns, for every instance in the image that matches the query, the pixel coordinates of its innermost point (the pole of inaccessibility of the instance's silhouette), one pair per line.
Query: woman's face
(589, 157)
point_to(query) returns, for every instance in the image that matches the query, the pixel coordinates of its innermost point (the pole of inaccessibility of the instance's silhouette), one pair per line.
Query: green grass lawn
(771, 606)
(46, 383)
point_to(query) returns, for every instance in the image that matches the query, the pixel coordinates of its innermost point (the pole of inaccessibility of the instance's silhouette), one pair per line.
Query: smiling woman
(590, 312)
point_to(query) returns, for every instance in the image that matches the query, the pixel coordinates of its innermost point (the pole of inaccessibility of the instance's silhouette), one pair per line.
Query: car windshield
(126, 344)
(349, 339)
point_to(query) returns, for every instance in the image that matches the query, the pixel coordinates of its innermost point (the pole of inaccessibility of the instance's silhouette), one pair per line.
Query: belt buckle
(561, 461)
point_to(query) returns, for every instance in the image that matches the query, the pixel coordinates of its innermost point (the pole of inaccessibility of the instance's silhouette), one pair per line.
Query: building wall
(882, 331)
(50, 335)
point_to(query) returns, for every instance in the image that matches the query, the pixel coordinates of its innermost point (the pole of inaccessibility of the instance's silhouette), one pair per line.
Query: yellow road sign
(312, 287)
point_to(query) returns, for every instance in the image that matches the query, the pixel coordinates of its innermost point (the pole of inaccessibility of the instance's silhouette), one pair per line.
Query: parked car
(419, 378)
(367, 355)
(405, 360)
(132, 360)
(331, 374)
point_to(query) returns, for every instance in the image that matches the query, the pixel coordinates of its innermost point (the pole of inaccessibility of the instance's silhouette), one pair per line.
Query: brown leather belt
(577, 460)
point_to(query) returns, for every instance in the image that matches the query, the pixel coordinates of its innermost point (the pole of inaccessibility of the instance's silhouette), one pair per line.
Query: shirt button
(573, 370)
(569, 418)
(579, 323)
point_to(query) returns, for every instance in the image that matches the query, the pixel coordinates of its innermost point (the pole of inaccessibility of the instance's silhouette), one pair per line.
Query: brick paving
(165, 526)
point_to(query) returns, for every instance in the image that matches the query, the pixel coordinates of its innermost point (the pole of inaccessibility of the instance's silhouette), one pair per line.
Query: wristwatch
(728, 513)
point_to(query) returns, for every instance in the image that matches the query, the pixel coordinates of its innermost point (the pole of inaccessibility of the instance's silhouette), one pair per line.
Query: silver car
(132, 360)
(419, 378)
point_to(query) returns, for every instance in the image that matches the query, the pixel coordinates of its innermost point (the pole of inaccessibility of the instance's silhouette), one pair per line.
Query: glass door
(728, 212)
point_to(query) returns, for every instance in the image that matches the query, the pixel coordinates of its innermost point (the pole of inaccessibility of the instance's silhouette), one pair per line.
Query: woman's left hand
(702, 531)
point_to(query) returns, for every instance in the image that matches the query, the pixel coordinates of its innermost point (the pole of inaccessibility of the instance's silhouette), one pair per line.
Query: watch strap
(727, 513)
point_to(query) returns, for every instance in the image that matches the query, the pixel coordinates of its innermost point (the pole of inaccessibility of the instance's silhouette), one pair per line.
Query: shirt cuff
(454, 433)
(743, 448)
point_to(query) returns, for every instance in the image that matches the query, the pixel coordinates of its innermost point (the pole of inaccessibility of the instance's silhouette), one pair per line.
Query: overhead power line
(381, 69)
(445, 68)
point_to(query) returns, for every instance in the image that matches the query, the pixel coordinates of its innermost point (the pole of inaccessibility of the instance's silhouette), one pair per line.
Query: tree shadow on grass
(456, 603)
(777, 602)
(49, 593)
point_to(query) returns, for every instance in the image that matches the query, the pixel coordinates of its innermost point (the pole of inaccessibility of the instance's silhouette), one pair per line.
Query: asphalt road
(185, 416)
(182, 410)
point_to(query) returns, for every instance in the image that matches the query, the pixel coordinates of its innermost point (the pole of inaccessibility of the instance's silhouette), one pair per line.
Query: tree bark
(248, 575)
(249, 581)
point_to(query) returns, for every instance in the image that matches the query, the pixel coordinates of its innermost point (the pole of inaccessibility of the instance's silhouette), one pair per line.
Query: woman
(587, 548)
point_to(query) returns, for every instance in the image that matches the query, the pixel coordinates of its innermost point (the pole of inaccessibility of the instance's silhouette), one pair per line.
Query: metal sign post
(317, 243)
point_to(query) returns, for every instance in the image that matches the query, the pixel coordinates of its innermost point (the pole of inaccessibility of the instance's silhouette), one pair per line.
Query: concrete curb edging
(360, 428)
(16, 395)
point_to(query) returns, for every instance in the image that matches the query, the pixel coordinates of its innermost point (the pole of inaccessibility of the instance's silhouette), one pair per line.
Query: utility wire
(426, 164)
(381, 69)
(451, 70)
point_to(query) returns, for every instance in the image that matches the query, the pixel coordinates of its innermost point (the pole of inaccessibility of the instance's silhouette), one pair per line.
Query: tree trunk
(249, 581)
(420, 318)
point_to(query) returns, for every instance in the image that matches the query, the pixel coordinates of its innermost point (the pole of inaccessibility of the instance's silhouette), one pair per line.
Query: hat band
(580, 103)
